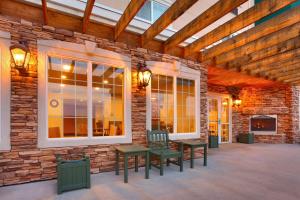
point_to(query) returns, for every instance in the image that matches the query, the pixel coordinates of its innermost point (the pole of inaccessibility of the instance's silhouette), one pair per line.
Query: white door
(219, 117)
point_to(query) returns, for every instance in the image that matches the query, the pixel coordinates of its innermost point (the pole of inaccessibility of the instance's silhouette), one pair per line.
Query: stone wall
(26, 162)
(282, 101)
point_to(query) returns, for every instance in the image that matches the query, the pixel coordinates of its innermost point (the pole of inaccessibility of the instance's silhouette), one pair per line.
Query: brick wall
(25, 162)
(282, 101)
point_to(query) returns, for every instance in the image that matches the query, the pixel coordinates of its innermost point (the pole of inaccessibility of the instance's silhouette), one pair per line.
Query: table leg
(136, 163)
(205, 155)
(192, 157)
(117, 163)
(147, 166)
(125, 168)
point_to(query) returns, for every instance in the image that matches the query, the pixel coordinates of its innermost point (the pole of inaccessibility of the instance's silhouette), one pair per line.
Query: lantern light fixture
(235, 94)
(237, 102)
(20, 54)
(143, 75)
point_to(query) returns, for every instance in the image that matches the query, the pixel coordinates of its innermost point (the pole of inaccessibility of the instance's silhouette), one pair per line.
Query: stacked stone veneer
(282, 101)
(25, 162)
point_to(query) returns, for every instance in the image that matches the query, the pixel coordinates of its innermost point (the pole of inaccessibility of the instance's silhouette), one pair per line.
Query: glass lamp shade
(21, 55)
(143, 76)
(237, 102)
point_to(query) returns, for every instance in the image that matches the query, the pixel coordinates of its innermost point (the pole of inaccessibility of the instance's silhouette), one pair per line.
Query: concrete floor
(235, 171)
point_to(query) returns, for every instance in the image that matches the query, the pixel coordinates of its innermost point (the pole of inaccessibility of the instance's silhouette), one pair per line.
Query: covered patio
(235, 171)
(88, 84)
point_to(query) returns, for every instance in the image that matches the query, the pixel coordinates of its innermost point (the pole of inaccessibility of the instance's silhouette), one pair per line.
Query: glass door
(213, 117)
(219, 118)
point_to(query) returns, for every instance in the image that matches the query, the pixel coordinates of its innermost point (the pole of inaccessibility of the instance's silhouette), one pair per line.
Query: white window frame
(176, 70)
(5, 91)
(90, 54)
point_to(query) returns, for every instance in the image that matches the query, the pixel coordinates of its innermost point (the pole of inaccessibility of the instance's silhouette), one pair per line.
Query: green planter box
(246, 138)
(73, 174)
(213, 141)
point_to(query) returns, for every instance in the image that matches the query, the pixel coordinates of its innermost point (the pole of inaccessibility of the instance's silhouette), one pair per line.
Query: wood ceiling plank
(255, 51)
(87, 14)
(243, 20)
(268, 27)
(129, 13)
(212, 14)
(250, 68)
(175, 11)
(276, 67)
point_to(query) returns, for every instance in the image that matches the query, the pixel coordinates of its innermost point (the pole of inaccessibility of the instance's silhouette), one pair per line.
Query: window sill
(83, 141)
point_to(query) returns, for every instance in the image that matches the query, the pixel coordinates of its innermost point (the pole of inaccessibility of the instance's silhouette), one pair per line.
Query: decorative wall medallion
(54, 103)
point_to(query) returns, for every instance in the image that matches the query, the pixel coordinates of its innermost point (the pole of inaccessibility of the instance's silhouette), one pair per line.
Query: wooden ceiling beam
(87, 14)
(278, 42)
(278, 66)
(250, 68)
(129, 13)
(212, 14)
(45, 13)
(268, 27)
(243, 20)
(175, 11)
(14, 9)
(284, 69)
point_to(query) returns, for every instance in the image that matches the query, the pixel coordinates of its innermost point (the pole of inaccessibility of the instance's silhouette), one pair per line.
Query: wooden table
(193, 144)
(132, 150)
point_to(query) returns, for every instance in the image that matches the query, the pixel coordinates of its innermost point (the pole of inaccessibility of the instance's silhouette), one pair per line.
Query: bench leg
(205, 155)
(136, 163)
(161, 168)
(126, 168)
(181, 163)
(192, 157)
(117, 163)
(147, 166)
(168, 162)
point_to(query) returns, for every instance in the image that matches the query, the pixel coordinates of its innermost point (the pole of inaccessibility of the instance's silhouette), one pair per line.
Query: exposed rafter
(243, 20)
(278, 69)
(252, 67)
(175, 11)
(45, 13)
(279, 42)
(87, 14)
(209, 16)
(132, 9)
(272, 25)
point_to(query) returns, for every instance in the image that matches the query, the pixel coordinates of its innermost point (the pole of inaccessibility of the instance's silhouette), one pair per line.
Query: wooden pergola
(269, 50)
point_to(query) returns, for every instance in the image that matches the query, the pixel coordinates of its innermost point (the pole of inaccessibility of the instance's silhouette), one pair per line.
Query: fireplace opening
(263, 123)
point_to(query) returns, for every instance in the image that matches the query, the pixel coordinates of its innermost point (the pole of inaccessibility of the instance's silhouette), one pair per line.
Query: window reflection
(162, 103)
(108, 108)
(67, 98)
(185, 106)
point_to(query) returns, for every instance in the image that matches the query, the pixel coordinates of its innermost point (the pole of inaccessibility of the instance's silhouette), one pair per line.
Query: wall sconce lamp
(143, 75)
(21, 55)
(235, 92)
(237, 102)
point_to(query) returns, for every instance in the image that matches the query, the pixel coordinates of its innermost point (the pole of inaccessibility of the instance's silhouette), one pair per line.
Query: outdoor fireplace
(263, 124)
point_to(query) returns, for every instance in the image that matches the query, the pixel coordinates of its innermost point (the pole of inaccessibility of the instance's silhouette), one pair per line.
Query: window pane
(67, 97)
(145, 11)
(185, 106)
(162, 103)
(158, 10)
(108, 100)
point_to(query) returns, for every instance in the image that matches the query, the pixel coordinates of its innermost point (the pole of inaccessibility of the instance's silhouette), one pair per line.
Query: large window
(152, 10)
(85, 98)
(173, 102)
(4, 91)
